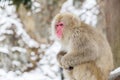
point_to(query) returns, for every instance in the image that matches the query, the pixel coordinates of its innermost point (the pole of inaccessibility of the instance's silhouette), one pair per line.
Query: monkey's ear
(76, 21)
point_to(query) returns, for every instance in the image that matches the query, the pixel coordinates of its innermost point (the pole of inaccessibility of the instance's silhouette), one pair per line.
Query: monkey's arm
(82, 49)
(60, 55)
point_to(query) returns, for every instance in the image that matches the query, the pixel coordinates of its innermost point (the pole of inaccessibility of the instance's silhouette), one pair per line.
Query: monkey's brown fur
(84, 48)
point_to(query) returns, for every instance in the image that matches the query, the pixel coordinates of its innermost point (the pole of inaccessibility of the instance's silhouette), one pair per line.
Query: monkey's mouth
(59, 31)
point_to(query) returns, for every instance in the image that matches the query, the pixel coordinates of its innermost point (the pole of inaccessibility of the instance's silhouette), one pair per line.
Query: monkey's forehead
(63, 15)
(66, 14)
(58, 18)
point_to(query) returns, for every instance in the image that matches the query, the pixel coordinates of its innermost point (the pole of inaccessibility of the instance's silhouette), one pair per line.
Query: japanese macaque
(85, 53)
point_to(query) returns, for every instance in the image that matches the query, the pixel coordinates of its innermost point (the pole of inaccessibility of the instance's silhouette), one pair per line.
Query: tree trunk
(101, 20)
(28, 22)
(112, 14)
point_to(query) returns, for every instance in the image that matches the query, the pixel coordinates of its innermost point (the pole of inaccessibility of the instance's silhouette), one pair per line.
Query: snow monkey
(85, 53)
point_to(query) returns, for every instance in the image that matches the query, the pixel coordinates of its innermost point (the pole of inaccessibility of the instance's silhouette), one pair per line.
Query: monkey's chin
(58, 39)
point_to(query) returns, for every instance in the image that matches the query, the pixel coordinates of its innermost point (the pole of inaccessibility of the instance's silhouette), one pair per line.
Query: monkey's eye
(61, 24)
(56, 25)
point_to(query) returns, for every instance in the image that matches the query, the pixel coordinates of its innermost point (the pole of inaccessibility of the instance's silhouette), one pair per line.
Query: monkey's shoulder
(79, 35)
(87, 33)
(82, 31)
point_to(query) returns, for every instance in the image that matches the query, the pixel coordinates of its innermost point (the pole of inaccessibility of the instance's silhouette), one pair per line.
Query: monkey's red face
(59, 29)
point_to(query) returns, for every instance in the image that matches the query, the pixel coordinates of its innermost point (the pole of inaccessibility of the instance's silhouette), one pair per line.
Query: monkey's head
(63, 23)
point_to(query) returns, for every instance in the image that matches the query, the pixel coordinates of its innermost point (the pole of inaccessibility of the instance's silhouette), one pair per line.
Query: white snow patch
(16, 63)
(19, 49)
(115, 71)
(2, 72)
(46, 69)
(88, 11)
(4, 50)
(2, 38)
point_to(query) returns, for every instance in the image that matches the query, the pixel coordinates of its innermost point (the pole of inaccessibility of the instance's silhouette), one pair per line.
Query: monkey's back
(105, 59)
(101, 67)
(104, 50)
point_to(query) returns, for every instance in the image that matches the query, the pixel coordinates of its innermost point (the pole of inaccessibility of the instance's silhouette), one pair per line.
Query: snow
(2, 38)
(2, 72)
(4, 50)
(36, 7)
(33, 58)
(117, 70)
(19, 30)
(88, 11)
(114, 74)
(44, 71)
(16, 63)
(19, 49)
(88, 4)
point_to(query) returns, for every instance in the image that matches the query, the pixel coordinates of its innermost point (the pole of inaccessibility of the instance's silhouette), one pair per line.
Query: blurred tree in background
(112, 18)
(110, 10)
(26, 3)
